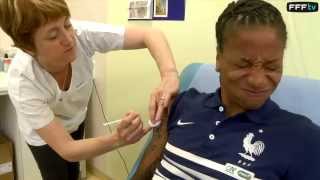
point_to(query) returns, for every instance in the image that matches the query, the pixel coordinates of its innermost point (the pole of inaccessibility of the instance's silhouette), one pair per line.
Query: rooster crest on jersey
(251, 148)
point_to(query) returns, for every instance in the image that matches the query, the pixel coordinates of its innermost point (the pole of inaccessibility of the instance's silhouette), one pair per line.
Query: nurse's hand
(162, 96)
(130, 130)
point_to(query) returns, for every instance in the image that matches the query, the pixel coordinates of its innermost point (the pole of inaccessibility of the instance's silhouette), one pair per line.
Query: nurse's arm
(157, 44)
(129, 131)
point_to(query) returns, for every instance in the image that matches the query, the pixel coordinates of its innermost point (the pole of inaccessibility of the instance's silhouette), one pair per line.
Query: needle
(119, 120)
(112, 122)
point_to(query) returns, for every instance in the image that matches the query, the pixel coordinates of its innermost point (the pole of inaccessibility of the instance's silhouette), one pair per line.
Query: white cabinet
(26, 168)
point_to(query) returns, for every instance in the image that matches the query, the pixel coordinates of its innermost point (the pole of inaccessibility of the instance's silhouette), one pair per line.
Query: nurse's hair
(244, 13)
(21, 18)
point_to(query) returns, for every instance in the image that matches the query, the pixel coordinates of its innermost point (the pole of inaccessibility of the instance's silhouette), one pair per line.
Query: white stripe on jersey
(190, 171)
(199, 160)
(172, 169)
(159, 174)
(195, 158)
(157, 177)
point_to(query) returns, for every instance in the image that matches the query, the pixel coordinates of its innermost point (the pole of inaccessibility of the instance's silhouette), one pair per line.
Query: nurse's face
(250, 67)
(55, 44)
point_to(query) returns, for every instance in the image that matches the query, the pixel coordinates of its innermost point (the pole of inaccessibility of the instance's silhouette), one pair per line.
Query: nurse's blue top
(268, 143)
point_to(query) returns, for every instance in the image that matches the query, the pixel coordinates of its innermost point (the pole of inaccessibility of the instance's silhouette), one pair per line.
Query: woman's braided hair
(249, 12)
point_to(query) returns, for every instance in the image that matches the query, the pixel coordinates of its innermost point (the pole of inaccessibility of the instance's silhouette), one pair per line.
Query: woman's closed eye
(52, 35)
(273, 67)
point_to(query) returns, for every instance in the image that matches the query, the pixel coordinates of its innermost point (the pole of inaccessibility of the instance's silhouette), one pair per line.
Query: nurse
(50, 82)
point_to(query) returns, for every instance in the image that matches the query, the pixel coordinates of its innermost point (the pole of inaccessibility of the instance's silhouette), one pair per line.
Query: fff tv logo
(302, 6)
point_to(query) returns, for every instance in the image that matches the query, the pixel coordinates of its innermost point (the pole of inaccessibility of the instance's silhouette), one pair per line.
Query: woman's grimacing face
(55, 44)
(250, 67)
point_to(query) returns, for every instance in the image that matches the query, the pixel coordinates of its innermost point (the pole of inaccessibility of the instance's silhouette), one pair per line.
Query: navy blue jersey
(268, 143)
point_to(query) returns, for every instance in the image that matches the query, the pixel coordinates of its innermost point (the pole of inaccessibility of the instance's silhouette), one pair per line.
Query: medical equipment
(151, 124)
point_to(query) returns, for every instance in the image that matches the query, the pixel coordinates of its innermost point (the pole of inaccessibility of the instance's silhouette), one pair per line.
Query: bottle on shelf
(6, 62)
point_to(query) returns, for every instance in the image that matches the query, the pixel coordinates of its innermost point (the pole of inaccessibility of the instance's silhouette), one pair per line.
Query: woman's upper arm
(134, 37)
(98, 37)
(137, 37)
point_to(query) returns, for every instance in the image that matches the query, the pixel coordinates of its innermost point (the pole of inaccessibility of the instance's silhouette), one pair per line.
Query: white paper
(5, 168)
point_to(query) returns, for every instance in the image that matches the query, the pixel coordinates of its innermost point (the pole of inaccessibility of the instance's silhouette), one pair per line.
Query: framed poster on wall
(160, 8)
(172, 10)
(140, 9)
(157, 10)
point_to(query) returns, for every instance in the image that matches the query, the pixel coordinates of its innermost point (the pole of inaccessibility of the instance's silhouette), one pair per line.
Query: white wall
(5, 41)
